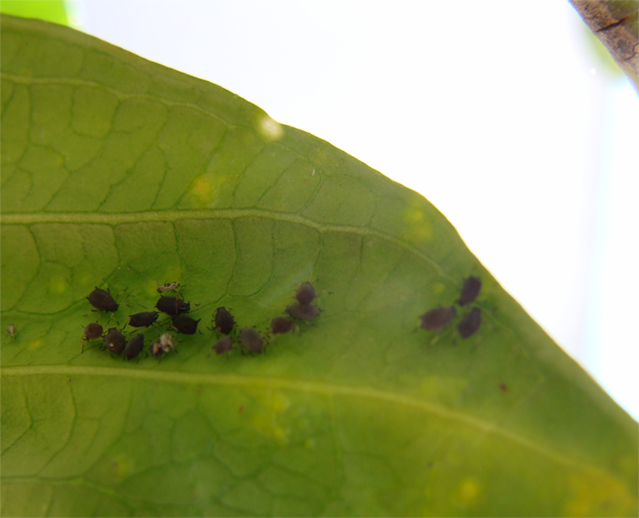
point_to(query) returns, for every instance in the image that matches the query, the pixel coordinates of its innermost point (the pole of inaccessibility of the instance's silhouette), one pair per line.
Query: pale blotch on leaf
(469, 491)
(269, 128)
(121, 467)
(437, 288)
(36, 344)
(445, 390)
(269, 415)
(203, 189)
(58, 285)
(418, 228)
(598, 494)
(85, 279)
(206, 187)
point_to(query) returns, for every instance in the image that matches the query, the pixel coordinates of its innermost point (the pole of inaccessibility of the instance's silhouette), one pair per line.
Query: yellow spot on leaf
(599, 494)
(469, 491)
(437, 288)
(35, 344)
(203, 189)
(58, 285)
(418, 228)
(121, 467)
(269, 417)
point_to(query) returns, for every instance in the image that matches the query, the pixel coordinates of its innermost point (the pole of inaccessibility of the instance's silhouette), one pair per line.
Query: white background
(498, 112)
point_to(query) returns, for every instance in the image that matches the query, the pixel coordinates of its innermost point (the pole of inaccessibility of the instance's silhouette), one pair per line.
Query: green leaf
(118, 169)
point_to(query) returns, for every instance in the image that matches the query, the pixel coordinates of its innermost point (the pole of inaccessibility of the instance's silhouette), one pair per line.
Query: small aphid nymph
(163, 345)
(302, 311)
(224, 321)
(305, 293)
(470, 323)
(438, 318)
(281, 325)
(184, 324)
(144, 319)
(114, 341)
(92, 331)
(223, 345)
(169, 286)
(134, 347)
(11, 331)
(172, 305)
(103, 301)
(470, 290)
(251, 340)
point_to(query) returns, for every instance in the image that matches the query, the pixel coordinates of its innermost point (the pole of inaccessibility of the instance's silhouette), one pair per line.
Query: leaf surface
(117, 169)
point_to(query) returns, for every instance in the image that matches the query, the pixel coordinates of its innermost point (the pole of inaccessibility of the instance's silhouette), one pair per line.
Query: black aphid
(114, 341)
(280, 325)
(470, 323)
(303, 311)
(305, 293)
(224, 321)
(134, 347)
(223, 345)
(11, 330)
(162, 345)
(92, 331)
(438, 318)
(184, 324)
(169, 286)
(251, 340)
(144, 319)
(173, 305)
(102, 301)
(470, 290)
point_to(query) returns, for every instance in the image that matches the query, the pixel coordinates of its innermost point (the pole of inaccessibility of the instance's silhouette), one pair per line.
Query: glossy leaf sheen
(119, 169)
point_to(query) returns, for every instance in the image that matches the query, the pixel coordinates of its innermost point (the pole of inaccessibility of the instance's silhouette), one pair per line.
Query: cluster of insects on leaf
(176, 308)
(249, 339)
(115, 341)
(439, 318)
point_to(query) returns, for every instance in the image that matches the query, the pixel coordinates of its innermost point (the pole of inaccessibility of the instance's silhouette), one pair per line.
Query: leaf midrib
(315, 387)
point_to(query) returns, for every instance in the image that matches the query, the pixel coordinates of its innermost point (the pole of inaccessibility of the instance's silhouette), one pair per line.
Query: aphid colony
(440, 317)
(175, 308)
(250, 340)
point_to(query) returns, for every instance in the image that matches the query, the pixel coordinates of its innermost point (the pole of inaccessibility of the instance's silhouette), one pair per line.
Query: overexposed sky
(495, 111)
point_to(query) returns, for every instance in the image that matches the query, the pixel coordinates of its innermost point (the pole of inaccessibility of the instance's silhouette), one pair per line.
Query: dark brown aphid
(102, 301)
(305, 293)
(470, 323)
(11, 331)
(162, 345)
(470, 290)
(503, 387)
(302, 311)
(223, 345)
(114, 341)
(92, 331)
(169, 286)
(224, 321)
(173, 305)
(438, 318)
(251, 340)
(184, 324)
(144, 319)
(134, 347)
(280, 325)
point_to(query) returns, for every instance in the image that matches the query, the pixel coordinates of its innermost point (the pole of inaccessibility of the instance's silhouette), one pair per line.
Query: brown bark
(616, 24)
